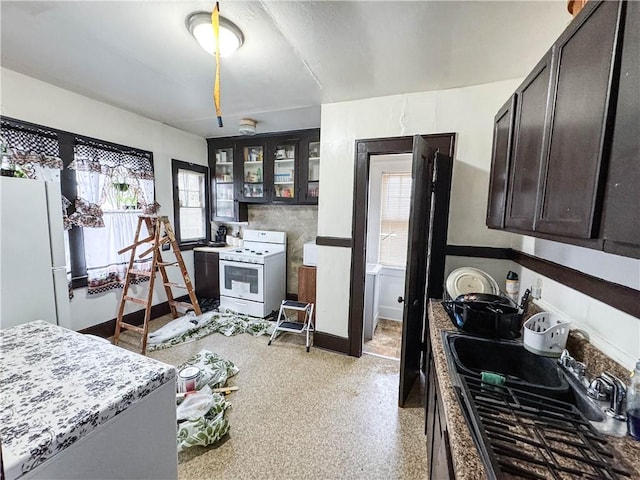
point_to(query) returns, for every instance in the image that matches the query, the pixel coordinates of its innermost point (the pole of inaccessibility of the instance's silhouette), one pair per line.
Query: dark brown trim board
(617, 296)
(107, 329)
(331, 342)
(334, 242)
(479, 252)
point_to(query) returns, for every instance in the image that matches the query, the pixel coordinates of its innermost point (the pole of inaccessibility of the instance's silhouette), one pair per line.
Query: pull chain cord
(216, 87)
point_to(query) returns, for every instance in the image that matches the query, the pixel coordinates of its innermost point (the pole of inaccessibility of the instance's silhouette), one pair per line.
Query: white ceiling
(297, 55)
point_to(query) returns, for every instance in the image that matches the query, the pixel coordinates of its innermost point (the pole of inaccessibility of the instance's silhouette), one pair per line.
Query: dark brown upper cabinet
(277, 168)
(528, 142)
(621, 223)
(501, 158)
(571, 183)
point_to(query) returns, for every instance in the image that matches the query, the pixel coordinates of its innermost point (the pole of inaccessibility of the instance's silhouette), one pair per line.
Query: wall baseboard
(331, 342)
(108, 328)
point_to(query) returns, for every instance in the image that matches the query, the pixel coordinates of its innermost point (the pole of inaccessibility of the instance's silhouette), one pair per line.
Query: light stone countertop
(214, 249)
(58, 386)
(466, 459)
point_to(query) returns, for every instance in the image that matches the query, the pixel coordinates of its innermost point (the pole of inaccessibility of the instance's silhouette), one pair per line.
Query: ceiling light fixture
(231, 37)
(247, 126)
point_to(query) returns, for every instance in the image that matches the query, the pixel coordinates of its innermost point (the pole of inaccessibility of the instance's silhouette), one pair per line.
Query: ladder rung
(141, 301)
(167, 264)
(181, 304)
(176, 285)
(142, 273)
(128, 326)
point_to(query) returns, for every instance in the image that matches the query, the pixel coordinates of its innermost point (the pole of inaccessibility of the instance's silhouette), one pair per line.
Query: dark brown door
(416, 276)
(531, 112)
(501, 156)
(621, 215)
(572, 170)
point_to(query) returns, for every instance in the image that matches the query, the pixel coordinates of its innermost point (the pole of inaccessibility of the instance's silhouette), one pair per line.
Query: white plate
(470, 280)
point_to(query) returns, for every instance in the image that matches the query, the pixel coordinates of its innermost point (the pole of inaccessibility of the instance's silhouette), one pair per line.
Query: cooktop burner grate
(524, 435)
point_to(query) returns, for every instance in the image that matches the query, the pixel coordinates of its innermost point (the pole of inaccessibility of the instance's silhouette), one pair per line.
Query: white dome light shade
(231, 38)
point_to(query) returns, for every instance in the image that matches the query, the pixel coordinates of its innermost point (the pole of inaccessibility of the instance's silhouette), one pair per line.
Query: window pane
(192, 224)
(394, 218)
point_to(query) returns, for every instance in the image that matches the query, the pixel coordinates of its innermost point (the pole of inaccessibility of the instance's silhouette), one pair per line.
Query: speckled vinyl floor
(299, 415)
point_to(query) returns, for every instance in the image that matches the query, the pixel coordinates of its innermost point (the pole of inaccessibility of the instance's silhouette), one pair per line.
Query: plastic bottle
(512, 286)
(633, 404)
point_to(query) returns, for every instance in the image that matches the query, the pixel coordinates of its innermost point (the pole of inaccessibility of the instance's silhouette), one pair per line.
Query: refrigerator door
(26, 280)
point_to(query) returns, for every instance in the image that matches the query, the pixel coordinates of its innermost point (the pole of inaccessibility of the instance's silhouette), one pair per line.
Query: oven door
(241, 280)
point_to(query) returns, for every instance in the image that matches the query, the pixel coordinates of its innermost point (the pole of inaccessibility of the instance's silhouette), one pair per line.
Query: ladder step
(167, 264)
(294, 327)
(128, 326)
(181, 304)
(141, 301)
(293, 305)
(142, 273)
(175, 285)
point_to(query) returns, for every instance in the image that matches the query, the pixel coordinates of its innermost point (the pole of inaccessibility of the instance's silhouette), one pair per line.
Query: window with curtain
(190, 198)
(114, 186)
(394, 218)
(31, 151)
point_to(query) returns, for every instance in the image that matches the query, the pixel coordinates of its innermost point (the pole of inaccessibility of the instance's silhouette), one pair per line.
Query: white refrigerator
(33, 278)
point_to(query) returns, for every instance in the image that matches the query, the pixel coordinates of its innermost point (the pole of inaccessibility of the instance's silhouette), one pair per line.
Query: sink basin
(521, 368)
(527, 371)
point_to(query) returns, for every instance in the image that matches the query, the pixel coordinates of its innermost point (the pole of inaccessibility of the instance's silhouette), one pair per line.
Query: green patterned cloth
(201, 416)
(195, 327)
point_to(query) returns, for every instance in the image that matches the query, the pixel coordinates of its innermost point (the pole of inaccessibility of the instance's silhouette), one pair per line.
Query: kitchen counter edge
(467, 463)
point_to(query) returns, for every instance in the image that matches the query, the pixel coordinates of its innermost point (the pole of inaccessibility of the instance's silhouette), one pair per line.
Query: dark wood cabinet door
(207, 274)
(572, 186)
(224, 182)
(500, 161)
(621, 225)
(528, 141)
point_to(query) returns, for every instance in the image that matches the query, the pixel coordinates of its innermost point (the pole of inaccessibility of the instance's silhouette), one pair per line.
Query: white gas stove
(258, 245)
(253, 277)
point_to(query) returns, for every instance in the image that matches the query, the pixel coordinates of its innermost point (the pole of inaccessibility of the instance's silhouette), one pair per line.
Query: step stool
(284, 325)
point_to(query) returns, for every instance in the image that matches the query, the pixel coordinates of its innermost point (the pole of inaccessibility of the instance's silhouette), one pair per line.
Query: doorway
(432, 157)
(386, 253)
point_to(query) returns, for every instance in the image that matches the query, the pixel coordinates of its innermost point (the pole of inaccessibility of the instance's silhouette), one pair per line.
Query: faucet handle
(618, 396)
(566, 360)
(599, 389)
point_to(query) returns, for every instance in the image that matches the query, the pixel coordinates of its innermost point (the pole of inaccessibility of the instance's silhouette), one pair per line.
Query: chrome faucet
(577, 369)
(618, 396)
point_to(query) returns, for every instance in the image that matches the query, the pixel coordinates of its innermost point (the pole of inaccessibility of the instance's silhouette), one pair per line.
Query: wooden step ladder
(160, 233)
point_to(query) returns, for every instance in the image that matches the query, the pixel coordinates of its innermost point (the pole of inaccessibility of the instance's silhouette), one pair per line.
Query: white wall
(467, 111)
(31, 100)
(612, 331)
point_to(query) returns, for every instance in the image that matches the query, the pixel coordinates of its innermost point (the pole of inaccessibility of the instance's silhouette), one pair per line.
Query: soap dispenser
(633, 404)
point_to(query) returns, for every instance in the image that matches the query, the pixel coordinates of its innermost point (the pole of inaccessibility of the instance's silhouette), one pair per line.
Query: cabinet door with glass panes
(252, 156)
(310, 169)
(285, 156)
(225, 206)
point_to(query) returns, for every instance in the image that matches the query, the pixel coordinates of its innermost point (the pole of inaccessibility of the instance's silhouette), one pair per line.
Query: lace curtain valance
(97, 158)
(30, 148)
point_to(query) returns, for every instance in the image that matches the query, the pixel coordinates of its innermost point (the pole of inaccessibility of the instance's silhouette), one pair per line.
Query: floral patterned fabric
(58, 386)
(208, 428)
(31, 148)
(87, 214)
(191, 327)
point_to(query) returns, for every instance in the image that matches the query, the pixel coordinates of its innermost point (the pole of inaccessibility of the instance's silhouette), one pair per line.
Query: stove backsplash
(299, 221)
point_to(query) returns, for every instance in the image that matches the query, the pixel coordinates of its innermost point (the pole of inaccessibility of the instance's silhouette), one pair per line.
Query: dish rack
(546, 334)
